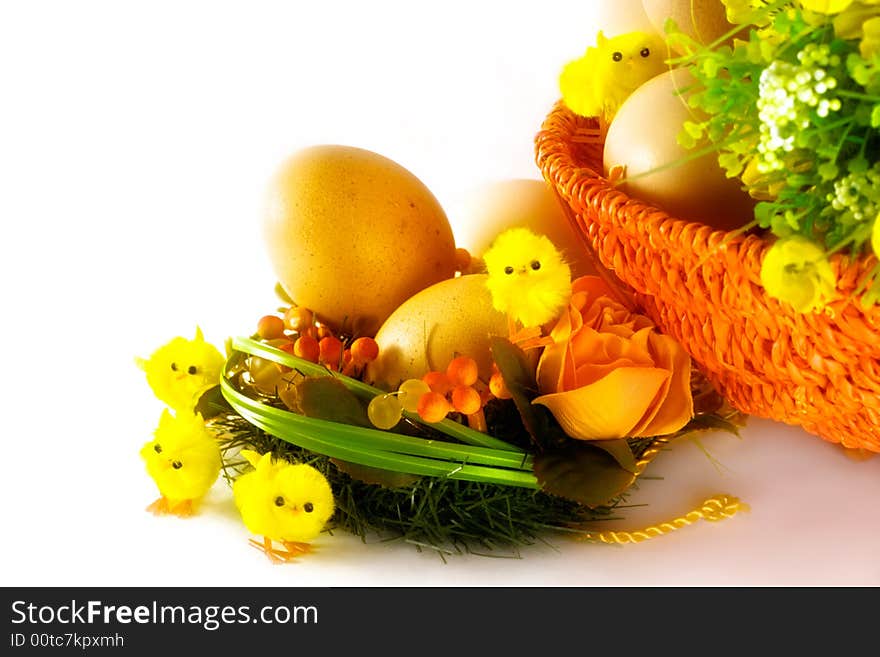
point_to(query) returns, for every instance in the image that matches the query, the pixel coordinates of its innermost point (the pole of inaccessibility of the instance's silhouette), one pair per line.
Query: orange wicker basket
(702, 286)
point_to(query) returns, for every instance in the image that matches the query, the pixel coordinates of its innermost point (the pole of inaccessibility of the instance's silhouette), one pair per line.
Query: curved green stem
(357, 445)
(365, 391)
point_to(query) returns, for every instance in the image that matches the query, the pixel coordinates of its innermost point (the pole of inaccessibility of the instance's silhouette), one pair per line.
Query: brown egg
(621, 16)
(451, 318)
(702, 20)
(643, 138)
(351, 235)
(494, 207)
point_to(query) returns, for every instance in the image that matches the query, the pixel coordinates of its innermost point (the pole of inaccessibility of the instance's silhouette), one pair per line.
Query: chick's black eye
(617, 55)
(644, 52)
(157, 448)
(508, 270)
(536, 264)
(279, 501)
(177, 465)
(192, 369)
(173, 367)
(308, 507)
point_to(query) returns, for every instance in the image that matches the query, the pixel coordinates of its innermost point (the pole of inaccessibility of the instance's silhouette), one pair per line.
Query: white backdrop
(135, 141)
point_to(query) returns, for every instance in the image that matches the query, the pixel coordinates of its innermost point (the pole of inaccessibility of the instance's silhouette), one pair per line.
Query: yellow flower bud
(870, 43)
(826, 6)
(854, 23)
(796, 270)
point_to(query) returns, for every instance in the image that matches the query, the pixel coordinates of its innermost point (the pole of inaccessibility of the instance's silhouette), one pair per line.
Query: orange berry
(364, 350)
(298, 318)
(270, 327)
(462, 260)
(498, 387)
(433, 407)
(286, 346)
(330, 350)
(466, 400)
(462, 371)
(307, 347)
(323, 331)
(438, 382)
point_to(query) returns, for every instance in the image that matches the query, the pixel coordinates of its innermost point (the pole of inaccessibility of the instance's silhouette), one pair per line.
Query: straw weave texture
(702, 286)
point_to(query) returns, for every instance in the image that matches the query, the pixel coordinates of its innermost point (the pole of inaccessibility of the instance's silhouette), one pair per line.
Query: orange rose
(609, 373)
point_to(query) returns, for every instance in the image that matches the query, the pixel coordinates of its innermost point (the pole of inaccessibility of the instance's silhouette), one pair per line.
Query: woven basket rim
(702, 286)
(577, 178)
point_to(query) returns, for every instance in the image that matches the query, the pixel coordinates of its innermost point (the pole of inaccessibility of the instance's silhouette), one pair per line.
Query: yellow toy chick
(184, 460)
(528, 279)
(597, 83)
(181, 370)
(285, 502)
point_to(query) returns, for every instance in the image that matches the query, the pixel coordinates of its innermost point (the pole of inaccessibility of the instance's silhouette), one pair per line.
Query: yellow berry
(409, 393)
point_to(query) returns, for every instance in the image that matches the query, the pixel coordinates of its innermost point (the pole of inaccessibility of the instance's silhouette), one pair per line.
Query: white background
(135, 141)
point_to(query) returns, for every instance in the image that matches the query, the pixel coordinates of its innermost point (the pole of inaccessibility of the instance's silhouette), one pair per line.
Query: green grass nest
(443, 487)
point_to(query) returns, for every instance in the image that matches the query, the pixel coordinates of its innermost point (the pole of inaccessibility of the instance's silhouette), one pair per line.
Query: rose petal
(599, 411)
(677, 406)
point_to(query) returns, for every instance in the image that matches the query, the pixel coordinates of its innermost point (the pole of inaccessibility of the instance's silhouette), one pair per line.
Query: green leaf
(731, 163)
(212, 403)
(281, 293)
(583, 473)
(519, 377)
(376, 476)
(708, 422)
(327, 398)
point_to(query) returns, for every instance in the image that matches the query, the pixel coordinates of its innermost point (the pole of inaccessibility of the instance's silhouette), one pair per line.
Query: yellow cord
(713, 509)
(650, 454)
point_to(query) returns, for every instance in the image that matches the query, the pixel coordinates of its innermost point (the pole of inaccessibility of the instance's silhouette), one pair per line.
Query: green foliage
(418, 483)
(582, 472)
(792, 109)
(327, 398)
(444, 515)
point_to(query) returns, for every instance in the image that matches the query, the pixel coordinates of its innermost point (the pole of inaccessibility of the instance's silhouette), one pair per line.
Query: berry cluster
(298, 332)
(789, 96)
(457, 389)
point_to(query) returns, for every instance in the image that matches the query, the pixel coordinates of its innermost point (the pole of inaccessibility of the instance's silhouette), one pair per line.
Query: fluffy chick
(597, 83)
(183, 459)
(181, 370)
(285, 502)
(527, 277)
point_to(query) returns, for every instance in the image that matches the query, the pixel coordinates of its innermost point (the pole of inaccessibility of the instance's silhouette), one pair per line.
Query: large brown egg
(352, 234)
(492, 208)
(702, 20)
(643, 138)
(451, 318)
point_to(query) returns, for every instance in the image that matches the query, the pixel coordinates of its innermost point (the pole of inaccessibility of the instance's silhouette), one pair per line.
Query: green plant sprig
(816, 168)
